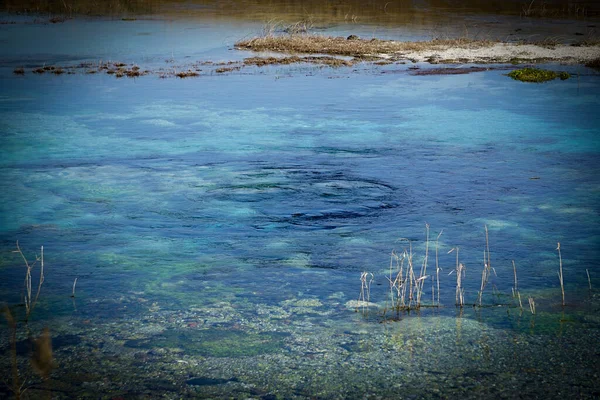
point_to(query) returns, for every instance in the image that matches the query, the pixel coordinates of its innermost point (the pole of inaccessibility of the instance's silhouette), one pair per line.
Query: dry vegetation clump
(322, 60)
(222, 70)
(19, 71)
(315, 44)
(187, 74)
(595, 63)
(448, 71)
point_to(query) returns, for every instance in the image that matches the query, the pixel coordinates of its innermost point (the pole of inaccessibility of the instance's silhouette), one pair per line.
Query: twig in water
(589, 280)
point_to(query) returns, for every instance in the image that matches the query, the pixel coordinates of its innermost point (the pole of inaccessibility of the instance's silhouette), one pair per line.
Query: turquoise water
(230, 217)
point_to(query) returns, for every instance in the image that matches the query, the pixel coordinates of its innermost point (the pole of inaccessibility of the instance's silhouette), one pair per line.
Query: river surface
(218, 226)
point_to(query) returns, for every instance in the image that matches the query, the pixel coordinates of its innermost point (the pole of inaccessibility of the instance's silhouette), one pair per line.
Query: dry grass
(187, 74)
(595, 63)
(323, 60)
(315, 44)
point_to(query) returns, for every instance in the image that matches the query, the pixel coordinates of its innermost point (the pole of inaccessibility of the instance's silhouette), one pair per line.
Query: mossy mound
(537, 75)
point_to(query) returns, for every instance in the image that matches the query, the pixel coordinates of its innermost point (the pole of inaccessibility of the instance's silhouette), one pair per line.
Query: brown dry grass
(315, 44)
(595, 63)
(324, 60)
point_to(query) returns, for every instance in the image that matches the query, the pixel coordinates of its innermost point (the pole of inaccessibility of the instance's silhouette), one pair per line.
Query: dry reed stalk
(397, 283)
(560, 274)
(365, 290)
(589, 280)
(460, 272)
(29, 303)
(410, 275)
(520, 303)
(422, 276)
(74, 283)
(515, 288)
(392, 282)
(400, 279)
(487, 266)
(437, 266)
(532, 305)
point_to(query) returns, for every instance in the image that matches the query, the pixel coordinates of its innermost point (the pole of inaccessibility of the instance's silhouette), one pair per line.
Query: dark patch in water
(449, 71)
(205, 381)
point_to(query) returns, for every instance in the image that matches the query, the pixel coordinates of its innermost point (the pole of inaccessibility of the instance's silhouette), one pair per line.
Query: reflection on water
(372, 11)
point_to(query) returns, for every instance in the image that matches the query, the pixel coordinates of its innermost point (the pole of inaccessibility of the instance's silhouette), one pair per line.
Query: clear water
(231, 217)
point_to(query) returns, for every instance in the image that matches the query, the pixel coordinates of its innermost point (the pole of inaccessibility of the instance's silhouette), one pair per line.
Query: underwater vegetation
(41, 358)
(537, 75)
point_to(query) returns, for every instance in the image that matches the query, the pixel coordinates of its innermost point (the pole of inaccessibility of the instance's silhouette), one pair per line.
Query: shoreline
(336, 52)
(437, 51)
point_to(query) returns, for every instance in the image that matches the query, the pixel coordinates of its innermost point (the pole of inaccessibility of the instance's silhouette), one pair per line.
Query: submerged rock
(353, 304)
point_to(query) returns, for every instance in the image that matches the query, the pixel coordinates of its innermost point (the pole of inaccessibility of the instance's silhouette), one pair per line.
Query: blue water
(254, 190)
(253, 171)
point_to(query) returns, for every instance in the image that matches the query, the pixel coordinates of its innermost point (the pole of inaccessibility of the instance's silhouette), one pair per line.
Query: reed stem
(74, 283)
(515, 288)
(560, 274)
(437, 266)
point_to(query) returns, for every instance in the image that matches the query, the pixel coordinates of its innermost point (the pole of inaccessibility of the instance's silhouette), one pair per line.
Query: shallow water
(218, 226)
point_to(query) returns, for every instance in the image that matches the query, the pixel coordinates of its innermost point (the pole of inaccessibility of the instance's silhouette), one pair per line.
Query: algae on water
(537, 75)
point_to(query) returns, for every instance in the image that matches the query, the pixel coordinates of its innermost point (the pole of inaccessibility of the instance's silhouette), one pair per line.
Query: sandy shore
(447, 51)
(504, 53)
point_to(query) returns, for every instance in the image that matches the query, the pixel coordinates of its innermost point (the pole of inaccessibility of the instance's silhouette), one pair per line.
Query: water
(218, 226)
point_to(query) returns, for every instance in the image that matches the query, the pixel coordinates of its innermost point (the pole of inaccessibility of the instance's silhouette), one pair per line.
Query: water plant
(27, 297)
(537, 75)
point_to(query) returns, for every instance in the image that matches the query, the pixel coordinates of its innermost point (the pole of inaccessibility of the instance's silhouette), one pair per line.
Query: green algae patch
(537, 75)
(213, 342)
(217, 343)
